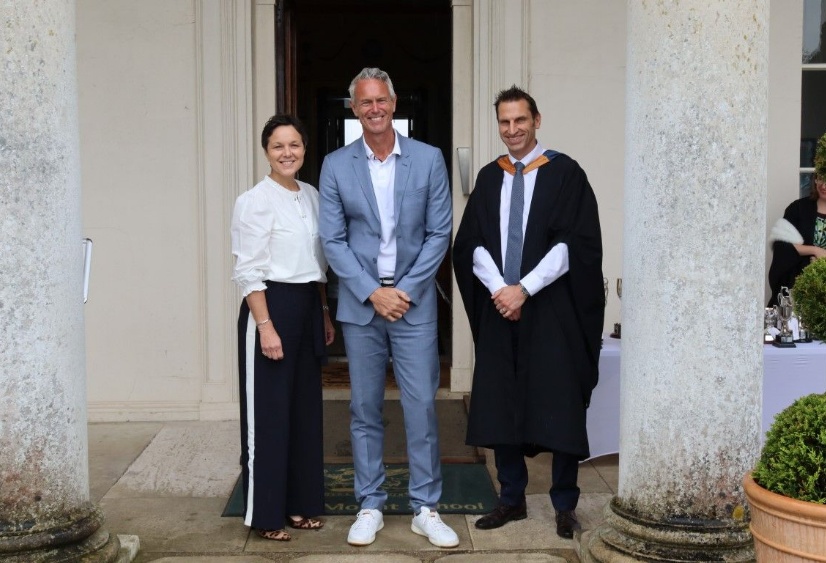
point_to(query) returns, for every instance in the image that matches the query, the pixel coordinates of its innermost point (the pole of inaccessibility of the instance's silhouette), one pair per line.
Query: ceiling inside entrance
(372, 5)
(334, 39)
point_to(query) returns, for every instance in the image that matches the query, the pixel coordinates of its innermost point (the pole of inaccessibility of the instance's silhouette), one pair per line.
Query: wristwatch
(524, 291)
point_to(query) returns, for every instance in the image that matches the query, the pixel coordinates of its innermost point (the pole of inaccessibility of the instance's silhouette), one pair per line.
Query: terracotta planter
(785, 530)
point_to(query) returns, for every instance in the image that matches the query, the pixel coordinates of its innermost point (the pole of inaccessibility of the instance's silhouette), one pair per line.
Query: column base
(626, 537)
(80, 540)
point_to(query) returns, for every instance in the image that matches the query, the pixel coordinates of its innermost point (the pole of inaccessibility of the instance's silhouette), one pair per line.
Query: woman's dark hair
(514, 94)
(279, 120)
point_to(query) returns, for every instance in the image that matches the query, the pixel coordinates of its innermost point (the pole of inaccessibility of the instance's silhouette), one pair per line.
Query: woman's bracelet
(262, 323)
(325, 308)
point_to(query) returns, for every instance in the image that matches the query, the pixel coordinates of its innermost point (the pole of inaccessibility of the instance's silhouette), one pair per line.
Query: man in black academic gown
(528, 262)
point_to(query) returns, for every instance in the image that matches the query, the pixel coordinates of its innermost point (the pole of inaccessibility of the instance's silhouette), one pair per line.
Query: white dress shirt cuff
(553, 266)
(248, 288)
(485, 269)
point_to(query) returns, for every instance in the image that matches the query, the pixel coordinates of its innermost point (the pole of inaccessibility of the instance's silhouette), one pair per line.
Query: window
(813, 110)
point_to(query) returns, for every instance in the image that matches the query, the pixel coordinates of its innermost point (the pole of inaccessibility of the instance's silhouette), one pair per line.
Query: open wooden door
(286, 83)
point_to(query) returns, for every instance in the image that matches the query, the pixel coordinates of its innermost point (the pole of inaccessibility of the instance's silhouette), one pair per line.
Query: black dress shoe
(566, 523)
(501, 515)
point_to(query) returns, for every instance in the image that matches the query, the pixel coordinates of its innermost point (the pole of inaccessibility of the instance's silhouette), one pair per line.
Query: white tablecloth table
(791, 373)
(788, 374)
(603, 414)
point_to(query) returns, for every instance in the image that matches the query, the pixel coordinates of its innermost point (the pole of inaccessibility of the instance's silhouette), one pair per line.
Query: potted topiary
(787, 489)
(809, 295)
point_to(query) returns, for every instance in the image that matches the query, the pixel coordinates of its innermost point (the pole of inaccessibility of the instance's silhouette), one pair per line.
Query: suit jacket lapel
(402, 175)
(362, 173)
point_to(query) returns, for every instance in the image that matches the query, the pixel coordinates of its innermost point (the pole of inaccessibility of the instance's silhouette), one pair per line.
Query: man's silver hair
(368, 73)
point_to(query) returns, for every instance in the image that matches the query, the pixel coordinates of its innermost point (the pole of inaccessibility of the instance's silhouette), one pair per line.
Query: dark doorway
(327, 42)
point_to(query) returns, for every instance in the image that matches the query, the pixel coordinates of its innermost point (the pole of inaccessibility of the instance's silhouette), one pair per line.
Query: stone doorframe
(480, 28)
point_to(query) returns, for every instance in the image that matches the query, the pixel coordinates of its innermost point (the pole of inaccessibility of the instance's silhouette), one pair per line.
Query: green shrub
(809, 294)
(793, 461)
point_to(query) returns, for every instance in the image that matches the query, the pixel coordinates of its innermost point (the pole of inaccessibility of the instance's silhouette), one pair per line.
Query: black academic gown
(786, 263)
(535, 394)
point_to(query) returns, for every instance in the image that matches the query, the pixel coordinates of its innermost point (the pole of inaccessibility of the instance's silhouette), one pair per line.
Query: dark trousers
(282, 453)
(512, 473)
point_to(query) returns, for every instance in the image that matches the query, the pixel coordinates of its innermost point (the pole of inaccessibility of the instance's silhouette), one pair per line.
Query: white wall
(785, 52)
(576, 68)
(137, 95)
(166, 104)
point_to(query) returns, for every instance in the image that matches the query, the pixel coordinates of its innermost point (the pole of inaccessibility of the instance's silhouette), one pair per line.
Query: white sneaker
(363, 531)
(428, 523)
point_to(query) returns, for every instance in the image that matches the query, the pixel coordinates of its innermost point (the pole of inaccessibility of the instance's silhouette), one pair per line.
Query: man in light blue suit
(385, 222)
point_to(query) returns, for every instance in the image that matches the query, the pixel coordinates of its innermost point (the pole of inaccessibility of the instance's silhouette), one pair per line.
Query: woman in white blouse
(283, 327)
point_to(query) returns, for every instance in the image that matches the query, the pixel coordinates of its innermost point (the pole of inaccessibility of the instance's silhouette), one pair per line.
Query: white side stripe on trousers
(250, 390)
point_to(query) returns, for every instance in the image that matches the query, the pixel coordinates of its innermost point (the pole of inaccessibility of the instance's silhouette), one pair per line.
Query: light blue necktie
(513, 251)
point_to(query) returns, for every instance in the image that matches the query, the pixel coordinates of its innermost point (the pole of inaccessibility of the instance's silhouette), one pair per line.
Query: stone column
(693, 271)
(45, 512)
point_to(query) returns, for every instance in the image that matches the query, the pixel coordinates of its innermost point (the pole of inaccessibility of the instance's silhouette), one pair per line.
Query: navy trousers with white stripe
(281, 409)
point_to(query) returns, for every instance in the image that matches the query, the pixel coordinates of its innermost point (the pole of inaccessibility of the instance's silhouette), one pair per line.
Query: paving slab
(213, 559)
(591, 508)
(538, 530)
(590, 480)
(185, 459)
(608, 468)
(113, 446)
(361, 558)
(539, 474)
(176, 525)
(535, 532)
(395, 536)
(501, 558)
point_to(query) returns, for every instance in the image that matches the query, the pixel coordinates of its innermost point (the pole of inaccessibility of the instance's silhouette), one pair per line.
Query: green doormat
(467, 489)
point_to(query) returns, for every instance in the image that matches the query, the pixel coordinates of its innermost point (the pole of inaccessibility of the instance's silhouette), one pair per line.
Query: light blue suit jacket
(351, 230)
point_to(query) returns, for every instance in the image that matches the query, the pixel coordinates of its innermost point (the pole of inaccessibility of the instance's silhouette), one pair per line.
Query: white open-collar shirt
(383, 177)
(552, 266)
(274, 234)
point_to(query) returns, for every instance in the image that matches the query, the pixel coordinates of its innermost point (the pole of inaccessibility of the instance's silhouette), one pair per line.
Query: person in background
(385, 223)
(800, 236)
(283, 326)
(528, 264)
